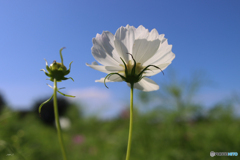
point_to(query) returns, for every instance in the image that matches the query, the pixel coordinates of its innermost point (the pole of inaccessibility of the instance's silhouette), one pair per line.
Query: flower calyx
(133, 72)
(57, 70)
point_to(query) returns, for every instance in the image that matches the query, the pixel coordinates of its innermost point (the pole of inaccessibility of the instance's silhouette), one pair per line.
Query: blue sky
(205, 36)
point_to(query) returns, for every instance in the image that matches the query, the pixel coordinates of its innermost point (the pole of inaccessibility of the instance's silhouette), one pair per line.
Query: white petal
(105, 69)
(141, 33)
(152, 70)
(122, 50)
(103, 49)
(161, 37)
(114, 69)
(163, 55)
(106, 39)
(166, 58)
(143, 49)
(113, 78)
(127, 36)
(96, 66)
(146, 85)
(153, 35)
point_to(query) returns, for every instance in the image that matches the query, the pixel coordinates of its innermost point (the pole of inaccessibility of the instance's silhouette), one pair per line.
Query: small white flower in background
(131, 55)
(65, 123)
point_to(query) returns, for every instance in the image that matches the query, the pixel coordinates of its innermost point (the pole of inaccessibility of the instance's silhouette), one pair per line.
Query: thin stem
(57, 120)
(130, 123)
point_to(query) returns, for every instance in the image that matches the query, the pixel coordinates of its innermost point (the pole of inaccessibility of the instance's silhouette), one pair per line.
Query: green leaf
(40, 107)
(66, 94)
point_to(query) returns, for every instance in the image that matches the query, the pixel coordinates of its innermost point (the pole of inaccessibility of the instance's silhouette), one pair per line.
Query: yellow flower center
(130, 65)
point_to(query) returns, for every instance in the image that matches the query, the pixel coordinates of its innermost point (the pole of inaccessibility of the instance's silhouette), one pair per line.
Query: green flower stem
(130, 123)
(57, 119)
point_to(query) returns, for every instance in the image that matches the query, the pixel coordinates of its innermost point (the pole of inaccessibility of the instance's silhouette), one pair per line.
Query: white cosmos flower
(148, 52)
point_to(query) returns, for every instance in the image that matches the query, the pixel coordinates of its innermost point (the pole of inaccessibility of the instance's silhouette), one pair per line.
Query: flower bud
(57, 70)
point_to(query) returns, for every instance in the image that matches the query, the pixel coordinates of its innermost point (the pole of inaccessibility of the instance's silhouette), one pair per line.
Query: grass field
(156, 135)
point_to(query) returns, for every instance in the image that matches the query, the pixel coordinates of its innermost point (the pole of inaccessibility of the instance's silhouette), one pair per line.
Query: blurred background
(195, 111)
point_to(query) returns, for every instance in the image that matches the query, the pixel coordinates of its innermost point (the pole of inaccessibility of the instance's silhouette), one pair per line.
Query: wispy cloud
(90, 93)
(97, 101)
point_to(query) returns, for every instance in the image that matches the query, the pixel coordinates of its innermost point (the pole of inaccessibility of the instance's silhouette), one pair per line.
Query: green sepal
(146, 68)
(45, 72)
(47, 67)
(68, 71)
(134, 65)
(61, 92)
(110, 74)
(40, 107)
(61, 54)
(71, 78)
(142, 78)
(66, 95)
(125, 66)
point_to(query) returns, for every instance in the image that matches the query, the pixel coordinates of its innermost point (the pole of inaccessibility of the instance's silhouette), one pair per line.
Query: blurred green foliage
(155, 136)
(175, 129)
